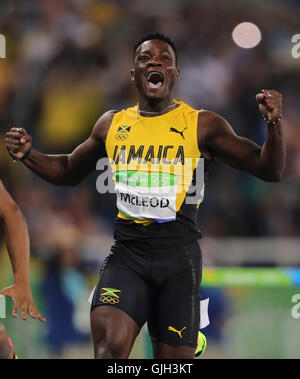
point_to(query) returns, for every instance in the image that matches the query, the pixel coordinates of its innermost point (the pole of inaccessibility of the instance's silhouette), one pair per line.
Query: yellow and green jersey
(154, 161)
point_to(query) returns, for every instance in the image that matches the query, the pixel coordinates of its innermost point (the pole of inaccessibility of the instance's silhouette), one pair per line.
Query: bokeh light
(246, 35)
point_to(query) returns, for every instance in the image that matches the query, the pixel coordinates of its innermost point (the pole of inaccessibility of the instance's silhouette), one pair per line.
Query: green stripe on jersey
(145, 179)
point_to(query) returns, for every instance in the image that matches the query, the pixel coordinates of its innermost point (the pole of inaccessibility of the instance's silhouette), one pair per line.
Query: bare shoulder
(210, 122)
(102, 125)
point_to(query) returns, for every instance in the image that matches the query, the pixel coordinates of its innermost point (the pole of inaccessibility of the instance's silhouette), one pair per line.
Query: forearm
(61, 169)
(52, 168)
(271, 161)
(18, 245)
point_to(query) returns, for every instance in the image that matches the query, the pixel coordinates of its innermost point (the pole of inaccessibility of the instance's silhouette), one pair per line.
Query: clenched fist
(18, 143)
(270, 104)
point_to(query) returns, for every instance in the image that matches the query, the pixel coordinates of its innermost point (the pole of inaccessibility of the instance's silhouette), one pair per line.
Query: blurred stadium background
(67, 62)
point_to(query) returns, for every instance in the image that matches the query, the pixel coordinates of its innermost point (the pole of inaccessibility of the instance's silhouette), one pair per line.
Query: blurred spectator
(63, 286)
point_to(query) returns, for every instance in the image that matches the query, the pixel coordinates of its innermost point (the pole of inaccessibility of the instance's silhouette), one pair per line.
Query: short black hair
(155, 35)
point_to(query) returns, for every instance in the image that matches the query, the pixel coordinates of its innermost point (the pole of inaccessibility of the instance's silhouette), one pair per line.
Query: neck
(159, 106)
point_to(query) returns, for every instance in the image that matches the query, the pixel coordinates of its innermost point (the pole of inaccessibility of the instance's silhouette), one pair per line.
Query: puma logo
(177, 131)
(176, 331)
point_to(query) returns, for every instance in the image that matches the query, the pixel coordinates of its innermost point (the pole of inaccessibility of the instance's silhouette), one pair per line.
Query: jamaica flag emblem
(122, 132)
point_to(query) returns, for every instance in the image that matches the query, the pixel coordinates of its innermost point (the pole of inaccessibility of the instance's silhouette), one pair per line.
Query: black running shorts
(153, 274)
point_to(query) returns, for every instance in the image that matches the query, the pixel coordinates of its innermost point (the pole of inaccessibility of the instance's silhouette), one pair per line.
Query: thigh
(120, 307)
(122, 283)
(174, 321)
(123, 289)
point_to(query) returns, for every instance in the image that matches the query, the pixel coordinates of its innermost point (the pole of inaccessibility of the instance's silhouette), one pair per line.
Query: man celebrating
(153, 273)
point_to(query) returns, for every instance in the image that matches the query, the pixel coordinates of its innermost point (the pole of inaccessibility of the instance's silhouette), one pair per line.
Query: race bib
(143, 195)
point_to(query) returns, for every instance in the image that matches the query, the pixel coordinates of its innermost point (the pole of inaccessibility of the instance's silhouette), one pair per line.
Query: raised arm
(17, 241)
(61, 169)
(217, 138)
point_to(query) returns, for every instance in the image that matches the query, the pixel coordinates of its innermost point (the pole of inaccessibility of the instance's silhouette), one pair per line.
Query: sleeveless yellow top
(153, 161)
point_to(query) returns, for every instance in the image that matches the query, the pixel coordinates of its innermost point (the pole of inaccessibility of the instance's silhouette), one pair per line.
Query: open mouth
(155, 79)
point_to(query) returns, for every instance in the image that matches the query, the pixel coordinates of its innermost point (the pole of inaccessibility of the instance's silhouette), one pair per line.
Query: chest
(155, 141)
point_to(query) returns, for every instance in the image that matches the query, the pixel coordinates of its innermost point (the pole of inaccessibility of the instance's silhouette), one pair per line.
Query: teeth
(157, 85)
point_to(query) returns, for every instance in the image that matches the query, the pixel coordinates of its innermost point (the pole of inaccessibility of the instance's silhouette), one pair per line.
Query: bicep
(84, 158)
(236, 151)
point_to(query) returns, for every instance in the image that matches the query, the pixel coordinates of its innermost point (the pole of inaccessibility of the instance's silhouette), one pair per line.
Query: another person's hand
(23, 300)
